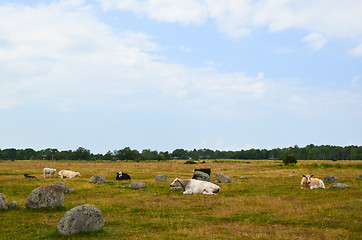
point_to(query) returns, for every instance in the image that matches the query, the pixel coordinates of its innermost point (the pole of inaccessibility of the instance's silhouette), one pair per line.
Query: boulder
(222, 178)
(62, 185)
(137, 185)
(198, 175)
(84, 218)
(14, 205)
(332, 179)
(51, 196)
(3, 203)
(339, 185)
(97, 179)
(161, 178)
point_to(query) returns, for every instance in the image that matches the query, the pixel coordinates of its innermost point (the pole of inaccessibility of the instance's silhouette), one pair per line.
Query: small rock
(137, 185)
(3, 203)
(46, 197)
(62, 185)
(243, 177)
(360, 176)
(84, 218)
(70, 190)
(332, 179)
(198, 175)
(97, 179)
(222, 178)
(339, 185)
(291, 175)
(14, 205)
(161, 178)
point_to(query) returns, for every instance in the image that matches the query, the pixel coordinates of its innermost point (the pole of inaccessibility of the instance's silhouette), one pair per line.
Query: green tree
(289, 160)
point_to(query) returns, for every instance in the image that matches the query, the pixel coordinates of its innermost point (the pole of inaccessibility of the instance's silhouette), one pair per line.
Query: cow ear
(304, 176)
(311, 175)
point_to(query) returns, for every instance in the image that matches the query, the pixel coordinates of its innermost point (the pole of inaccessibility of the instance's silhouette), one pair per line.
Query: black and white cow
(28, 176)
(123, 176)
(205, 170)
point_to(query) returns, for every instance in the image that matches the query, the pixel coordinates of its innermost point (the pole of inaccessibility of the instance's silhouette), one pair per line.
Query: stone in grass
(243, 177)
(198, 175)
(14, 205)
(97, 179)
(84, 218)
(3, 203)
(222, 178)
(339, 185)
(161, 178)
(332, 179)
(137, 185)
(51, 196)
(62, 185)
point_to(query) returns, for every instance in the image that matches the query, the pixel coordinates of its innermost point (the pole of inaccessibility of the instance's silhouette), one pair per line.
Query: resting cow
(310, 183)
(205, 170)
(193, 186)
(122, 176)
(50, 171)
(68, 174)
(28, 176)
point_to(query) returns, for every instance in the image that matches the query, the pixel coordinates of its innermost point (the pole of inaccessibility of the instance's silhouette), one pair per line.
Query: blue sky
(164, 74)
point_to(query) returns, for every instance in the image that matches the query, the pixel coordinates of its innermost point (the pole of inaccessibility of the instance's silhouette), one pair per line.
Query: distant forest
(309, 152)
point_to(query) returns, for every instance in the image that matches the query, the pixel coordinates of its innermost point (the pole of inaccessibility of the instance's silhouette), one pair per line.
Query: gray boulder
(14, 205)
(84, 218)
(137, 185)
(3, 203)
(97, 179)
(339, 185)
(332, 179)
(198, 175)
(51, 196)
(222, 178)
(62, 185)
(161, 178)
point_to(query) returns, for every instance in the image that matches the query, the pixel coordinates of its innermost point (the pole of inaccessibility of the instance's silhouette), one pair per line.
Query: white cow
(310, 183)
(68, 174)
(50, 171)
(193, 186)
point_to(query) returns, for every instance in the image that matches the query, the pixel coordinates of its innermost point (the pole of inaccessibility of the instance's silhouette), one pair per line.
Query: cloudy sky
(165, 74)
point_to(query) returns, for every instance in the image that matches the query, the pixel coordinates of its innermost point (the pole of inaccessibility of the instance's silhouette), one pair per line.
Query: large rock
(332, 179)
(3, 203)
(339, 185)
(14, 205)
(84, 218)
(97, 179)
(222, 178)
(198, 175)
(46, 197)
(161, 178)
(137, 185)
(62, 185)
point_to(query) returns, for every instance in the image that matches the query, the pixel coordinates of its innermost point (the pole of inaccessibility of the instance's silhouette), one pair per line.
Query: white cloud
(315, 41)
(357, 51)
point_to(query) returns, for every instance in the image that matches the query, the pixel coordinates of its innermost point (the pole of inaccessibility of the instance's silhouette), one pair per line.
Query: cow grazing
(68, 174)
(122, 176)
(205, 170)
(193, 186)
(28, 176)
(310, 183)
(50, 171)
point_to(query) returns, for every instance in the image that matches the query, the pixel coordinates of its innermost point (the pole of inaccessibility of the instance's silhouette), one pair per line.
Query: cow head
(308, 177)
(175, 183)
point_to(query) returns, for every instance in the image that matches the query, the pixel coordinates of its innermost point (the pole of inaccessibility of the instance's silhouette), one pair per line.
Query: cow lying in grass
(310, 183)
(28, 176)
(122, 176)
(50, 171)
(205, 170)
(193, 186)
(68, 174)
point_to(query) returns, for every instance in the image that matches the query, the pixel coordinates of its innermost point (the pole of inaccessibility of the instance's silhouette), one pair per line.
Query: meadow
(267, 205)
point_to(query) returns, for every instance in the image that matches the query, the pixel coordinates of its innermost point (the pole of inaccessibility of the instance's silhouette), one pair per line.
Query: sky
(165, 74)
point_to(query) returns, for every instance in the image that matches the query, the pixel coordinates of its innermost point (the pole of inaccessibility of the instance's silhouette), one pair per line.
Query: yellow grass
(268, 205)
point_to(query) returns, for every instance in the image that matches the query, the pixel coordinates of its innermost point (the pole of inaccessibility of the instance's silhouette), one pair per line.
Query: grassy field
(267, 205)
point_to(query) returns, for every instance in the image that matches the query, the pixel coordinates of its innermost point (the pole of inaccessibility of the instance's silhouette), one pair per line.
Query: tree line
(309, 152)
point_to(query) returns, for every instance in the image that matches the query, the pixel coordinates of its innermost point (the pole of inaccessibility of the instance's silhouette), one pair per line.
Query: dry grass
(268, 205)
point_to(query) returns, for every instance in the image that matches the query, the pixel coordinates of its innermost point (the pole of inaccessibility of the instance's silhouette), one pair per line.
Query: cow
(68, 174)
(205, 170)
(50, 171)
(193, 186)
(310, 183)
(122, 176)
(28, 176)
